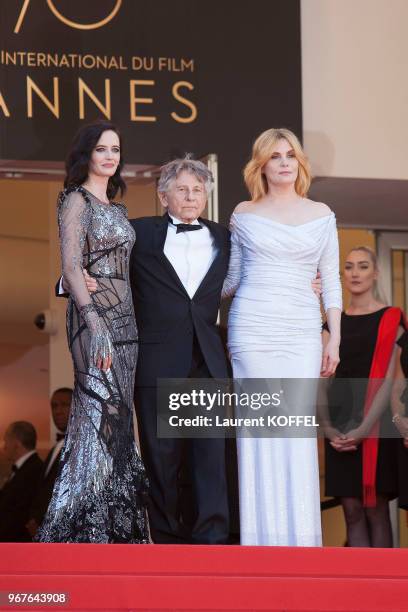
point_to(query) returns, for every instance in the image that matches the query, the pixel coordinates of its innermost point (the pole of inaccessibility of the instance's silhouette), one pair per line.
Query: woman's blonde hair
(377, 290)
(262, 150)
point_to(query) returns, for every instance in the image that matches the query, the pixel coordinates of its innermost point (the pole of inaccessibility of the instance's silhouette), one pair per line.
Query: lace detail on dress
(233, 278)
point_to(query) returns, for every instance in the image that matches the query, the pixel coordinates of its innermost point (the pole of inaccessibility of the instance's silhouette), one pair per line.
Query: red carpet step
(189, 578)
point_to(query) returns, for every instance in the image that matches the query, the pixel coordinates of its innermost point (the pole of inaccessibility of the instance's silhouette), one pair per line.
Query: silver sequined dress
(99, 495)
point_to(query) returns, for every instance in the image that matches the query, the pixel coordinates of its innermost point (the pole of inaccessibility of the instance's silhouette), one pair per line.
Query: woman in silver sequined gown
(99, 495)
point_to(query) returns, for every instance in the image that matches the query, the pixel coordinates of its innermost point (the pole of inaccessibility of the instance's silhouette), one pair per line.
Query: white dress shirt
(190, 253)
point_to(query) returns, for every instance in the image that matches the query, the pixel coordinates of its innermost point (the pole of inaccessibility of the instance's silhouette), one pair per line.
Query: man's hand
(317, 285)
(91, 283)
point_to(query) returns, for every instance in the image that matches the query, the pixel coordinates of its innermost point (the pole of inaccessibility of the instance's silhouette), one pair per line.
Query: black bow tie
(184, 227)
(60, 436)
(14, 469)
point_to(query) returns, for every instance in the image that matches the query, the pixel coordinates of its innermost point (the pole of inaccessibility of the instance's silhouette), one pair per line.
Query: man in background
(17, 493)
(60, 409)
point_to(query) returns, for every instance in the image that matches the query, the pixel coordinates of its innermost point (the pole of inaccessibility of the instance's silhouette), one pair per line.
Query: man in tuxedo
(177, 269)
(18, 491)
(60, 409)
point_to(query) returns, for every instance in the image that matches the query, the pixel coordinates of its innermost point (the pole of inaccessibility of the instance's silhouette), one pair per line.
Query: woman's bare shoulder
(243, 206)
(319, 208)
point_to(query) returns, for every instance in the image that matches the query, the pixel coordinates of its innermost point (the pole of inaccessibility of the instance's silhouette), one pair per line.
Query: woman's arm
(74, 216)
(398, 387)
(335, 437)
(233, 278)
(331, 357)
(378, 406)
(332, 297)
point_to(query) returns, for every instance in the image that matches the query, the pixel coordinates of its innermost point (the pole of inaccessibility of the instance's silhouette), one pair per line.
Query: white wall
(24, 255)
(24, 282)
(355, 90)
(24, 388)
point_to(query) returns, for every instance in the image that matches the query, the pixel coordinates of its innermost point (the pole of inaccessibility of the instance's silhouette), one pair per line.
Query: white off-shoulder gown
(274, 331)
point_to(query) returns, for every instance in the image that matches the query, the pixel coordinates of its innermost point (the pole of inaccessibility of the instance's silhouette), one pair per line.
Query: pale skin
(359, 277)
(283, 205)
(186, 197)
(104, 161)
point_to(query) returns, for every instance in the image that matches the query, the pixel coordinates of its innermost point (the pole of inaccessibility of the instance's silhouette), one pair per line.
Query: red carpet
(151, 577)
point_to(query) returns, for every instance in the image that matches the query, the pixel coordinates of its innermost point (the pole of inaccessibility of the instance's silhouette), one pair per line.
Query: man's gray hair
(170, 171)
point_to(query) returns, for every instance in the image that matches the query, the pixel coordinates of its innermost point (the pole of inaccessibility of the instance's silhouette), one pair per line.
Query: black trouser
(163, 459)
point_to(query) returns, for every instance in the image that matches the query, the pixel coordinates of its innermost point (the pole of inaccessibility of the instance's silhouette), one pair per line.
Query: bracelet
(395, 418)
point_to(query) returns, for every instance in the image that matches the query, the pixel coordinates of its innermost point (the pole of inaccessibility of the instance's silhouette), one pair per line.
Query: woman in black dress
(399, 405)
(368, 524)
(99, 495)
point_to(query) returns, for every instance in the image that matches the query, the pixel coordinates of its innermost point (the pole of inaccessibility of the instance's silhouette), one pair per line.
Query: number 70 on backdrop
(69, 22)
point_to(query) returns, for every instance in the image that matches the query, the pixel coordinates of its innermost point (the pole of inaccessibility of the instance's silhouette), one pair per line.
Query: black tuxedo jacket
(16, 497)
(44, 489)
(166, 316)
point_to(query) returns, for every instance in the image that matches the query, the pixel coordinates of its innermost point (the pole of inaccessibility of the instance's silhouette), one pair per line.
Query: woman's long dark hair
(77, 162)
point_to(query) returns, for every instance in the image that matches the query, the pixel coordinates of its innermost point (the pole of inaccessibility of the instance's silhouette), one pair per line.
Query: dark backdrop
(246, 78)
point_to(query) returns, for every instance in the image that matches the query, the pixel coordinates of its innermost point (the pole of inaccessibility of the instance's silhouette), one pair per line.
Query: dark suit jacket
(16, 497)
(166, 316)
(44, 489)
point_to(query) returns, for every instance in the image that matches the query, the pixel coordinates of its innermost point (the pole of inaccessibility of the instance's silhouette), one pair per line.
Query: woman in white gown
(279, 240)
